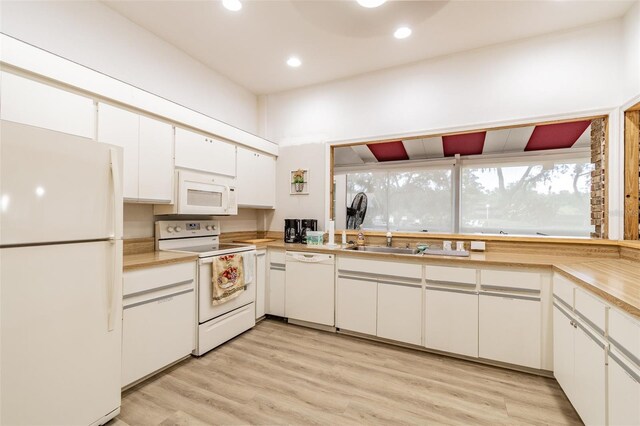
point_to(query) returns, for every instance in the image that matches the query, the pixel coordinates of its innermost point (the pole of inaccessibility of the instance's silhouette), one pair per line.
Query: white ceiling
(337, 39)
(502, 141)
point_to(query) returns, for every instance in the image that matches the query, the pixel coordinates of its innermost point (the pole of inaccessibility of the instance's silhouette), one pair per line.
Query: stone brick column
(598, 176)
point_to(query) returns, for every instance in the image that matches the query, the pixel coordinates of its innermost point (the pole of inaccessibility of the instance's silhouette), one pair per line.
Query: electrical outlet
(477, 245)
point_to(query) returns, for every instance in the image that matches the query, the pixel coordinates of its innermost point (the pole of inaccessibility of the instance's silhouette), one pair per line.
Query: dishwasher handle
(309, 257)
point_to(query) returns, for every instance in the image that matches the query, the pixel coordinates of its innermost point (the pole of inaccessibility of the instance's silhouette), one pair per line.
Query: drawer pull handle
(157, 299)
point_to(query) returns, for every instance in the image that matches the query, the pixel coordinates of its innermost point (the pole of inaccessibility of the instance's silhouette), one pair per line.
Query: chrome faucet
(389, 239)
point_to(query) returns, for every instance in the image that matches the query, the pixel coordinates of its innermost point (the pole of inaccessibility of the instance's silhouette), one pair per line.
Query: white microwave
(202, 193)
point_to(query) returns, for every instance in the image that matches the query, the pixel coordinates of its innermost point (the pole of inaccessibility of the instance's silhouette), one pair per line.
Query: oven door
(207, 310)
(202, 194)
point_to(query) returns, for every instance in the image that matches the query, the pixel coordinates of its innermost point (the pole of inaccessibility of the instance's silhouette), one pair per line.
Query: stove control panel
(186, 228)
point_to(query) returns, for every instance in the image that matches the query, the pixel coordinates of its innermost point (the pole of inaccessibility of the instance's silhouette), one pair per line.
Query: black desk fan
(357, 211)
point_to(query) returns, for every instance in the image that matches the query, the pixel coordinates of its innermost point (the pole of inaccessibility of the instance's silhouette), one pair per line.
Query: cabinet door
(204, 153)
(357, 305)
(276, 291)
(589, 368)
(563, 348)
(451, 321)
(256, 179)
(30, 102)
(400, 312)
(155, 161)
(510, 329)
(624, 391)
(156, 333)
(261, 273)
(120, 127)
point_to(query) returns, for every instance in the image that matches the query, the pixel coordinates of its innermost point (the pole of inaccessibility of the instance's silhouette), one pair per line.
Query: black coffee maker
(292, 230)
(307, 225)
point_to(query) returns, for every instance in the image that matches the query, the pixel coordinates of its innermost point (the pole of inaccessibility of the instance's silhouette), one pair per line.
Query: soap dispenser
(360, 240)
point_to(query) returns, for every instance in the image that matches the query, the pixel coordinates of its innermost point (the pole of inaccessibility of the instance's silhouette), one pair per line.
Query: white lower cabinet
(598, 376)
(510, 329)
(400, 312)
(261, 283)
(158, 319)
(624, 390)
(451, 321)
(380, 298)
(589, 372)
(276, 284)
(356, 304)
(563, 344)
(624, 369)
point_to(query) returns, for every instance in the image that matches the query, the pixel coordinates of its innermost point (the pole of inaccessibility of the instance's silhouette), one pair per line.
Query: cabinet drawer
(563, 289)
(158, 277)
(156, 334)
(624, 333)
(276, 256)
(591, 310)
(510, 280)
(447, 274)
(380, 268)
(217, 331)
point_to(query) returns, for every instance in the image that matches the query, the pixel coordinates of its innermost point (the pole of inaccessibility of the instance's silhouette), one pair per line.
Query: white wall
(138, 221)
(553, 74)
(313, 158)
(93, 35)
(559, 74)
(631, 70)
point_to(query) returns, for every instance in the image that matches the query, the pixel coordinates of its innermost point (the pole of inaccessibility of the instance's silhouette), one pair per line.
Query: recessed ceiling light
(294, 62)
(371, 3)
(402, 32)
(232, 5)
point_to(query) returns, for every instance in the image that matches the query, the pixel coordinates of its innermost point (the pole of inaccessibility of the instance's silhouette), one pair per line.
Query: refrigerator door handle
(116, 180)
(115, 290)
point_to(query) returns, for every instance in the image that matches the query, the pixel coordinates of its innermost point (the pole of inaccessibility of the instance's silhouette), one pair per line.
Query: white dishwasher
(310, 287)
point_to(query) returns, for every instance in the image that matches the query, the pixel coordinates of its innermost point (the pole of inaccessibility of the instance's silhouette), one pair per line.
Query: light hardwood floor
(278, 373)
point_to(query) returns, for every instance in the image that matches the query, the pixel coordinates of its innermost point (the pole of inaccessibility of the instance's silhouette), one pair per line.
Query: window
(527, 196)
(533, 198)
(405, 200)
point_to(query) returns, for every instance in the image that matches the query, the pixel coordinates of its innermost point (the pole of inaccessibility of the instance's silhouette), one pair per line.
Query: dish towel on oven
(227, 278)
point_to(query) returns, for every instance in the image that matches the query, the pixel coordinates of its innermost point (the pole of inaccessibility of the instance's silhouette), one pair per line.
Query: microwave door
(201, 198)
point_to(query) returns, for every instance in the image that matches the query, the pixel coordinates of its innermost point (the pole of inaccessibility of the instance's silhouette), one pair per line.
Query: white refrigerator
(60, 278)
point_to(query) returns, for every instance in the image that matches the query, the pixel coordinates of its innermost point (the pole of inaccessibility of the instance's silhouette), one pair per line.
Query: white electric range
(216, 323)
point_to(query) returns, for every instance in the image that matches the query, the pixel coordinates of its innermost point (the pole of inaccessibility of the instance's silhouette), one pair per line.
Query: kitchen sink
(374, 249)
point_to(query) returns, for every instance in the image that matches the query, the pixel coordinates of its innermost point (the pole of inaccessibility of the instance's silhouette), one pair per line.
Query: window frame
(456, 164)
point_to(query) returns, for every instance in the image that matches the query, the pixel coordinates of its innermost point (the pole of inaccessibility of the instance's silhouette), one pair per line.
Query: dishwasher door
(310, 287)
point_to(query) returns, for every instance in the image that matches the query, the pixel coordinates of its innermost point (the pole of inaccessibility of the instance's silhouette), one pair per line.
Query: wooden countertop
(615, 280)
(155, 258)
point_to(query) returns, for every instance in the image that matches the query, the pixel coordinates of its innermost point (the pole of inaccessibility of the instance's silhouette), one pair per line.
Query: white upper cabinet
(204, 153)
(30, 102)
(148, 153)
(256, 181)
(155, 161)
(120, 127)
